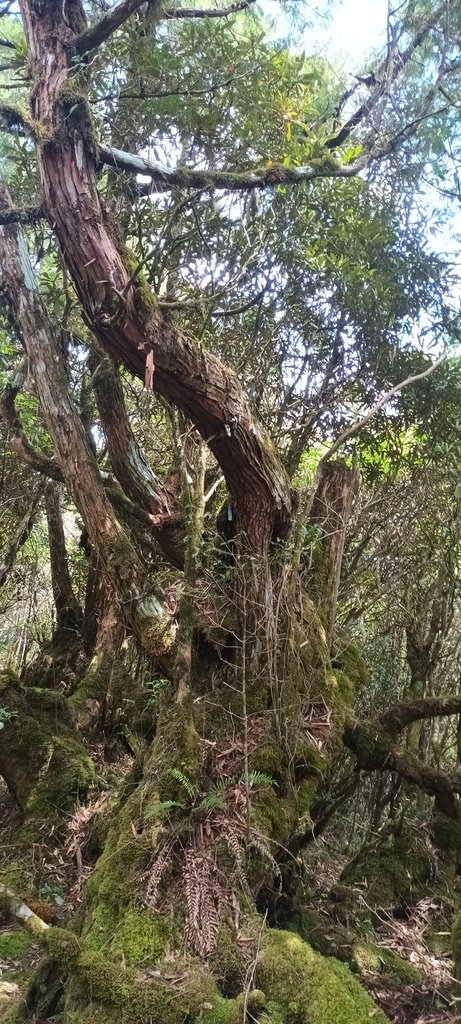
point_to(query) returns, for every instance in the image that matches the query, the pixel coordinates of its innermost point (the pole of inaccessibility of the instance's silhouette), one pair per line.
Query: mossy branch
(26, 215)
(375, 751)
(243, 181)
(400, 715)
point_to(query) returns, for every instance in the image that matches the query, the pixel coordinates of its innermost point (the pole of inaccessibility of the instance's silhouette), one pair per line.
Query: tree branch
(22, 533)
(386, 74)
(375, 751)
(13, 906)
(402, 714)
(28, 215)
(208, 12)
(105, 28)
(245, 181)
(131, 469)
(355, 427)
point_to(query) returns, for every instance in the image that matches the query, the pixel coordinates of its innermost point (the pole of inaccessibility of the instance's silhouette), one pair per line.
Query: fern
(259, 779)
(184, 781)
(162, 805)
(212, 802)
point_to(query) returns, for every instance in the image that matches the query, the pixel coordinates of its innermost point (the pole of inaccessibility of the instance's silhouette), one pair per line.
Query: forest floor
(61, 868)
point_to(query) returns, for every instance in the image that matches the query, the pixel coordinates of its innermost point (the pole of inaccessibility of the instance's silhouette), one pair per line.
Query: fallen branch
(13, 906)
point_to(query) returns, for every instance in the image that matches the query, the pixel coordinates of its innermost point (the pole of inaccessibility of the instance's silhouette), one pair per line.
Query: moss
(47, 763)
(456, 944)
(447, 836)
(396, 872)
(228, 963)
(437, 940)
(132, 999)
(305, 794)
(326, 937)
(349, 659)
(70, 776)
(274, 816)
(177, 750)
(373, 959)
(270, 759)
(140, 938)
(62, 946)
(93, 685)
(14, 944)
(308, 988)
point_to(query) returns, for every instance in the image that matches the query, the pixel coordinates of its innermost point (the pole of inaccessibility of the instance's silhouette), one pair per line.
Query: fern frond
(184, 781)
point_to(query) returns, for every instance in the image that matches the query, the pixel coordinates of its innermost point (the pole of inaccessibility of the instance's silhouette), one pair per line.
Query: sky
(357, 27)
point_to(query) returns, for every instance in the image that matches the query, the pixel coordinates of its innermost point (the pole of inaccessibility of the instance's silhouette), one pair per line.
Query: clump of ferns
(186, 848)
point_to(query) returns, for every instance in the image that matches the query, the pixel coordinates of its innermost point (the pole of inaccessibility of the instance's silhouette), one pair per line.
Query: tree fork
(118, 306)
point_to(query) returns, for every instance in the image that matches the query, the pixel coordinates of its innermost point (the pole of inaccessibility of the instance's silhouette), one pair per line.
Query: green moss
(140, 938)
(306, 793)
(373, 959)
(349, 659)
(437, 939)
(69, 776)
(447, 836)
(274, 816)
(396, 872)
(176, 750)
(62, 946)
(132, 999)
(308, 988)
(48, 764)
(326, 937)
(228, 963)
(456, 944)
(14, 944)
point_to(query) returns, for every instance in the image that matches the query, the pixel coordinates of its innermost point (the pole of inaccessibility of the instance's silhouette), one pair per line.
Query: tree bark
(68, 611)
(78, 465)
(119, 309)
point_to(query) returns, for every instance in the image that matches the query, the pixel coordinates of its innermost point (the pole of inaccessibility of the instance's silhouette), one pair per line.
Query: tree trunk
(68, 611)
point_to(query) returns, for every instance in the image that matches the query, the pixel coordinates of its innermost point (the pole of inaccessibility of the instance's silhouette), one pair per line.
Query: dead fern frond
(155, 872)
(203, 898)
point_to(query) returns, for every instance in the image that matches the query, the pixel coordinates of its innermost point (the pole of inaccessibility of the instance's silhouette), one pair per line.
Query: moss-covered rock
(41, 756)
(372, 959)
(397, 872)
(328, 937)
(304, 988)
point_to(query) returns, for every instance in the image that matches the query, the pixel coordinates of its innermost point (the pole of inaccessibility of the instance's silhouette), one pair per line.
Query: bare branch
(355, 427)
(387, 72)
(105, 28)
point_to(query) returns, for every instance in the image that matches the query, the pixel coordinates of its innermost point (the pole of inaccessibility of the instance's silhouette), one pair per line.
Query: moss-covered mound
(396, 873)
(302, 987)
(42, 758)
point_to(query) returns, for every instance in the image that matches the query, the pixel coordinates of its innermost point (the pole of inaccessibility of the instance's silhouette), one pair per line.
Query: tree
(197, 533)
